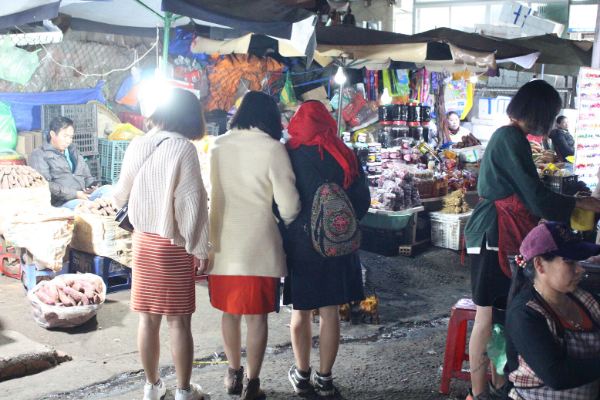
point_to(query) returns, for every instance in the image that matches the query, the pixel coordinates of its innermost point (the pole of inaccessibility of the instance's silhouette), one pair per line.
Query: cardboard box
(25, 143)
(316, 94)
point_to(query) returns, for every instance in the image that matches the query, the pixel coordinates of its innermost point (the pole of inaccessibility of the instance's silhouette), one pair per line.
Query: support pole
(341, 101)
(165, 55)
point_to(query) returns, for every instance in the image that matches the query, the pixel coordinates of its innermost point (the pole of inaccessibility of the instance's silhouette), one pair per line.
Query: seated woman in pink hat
(552, 325)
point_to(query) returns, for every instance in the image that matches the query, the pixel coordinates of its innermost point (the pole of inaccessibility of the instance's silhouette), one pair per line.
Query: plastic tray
(561, 184)
(447, 230)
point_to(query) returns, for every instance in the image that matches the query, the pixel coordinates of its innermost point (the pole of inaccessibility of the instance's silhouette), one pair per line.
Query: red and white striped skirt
(163, 277)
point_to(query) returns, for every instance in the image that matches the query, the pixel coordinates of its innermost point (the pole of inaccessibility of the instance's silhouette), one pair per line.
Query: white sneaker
(155, 392)
(195, 393)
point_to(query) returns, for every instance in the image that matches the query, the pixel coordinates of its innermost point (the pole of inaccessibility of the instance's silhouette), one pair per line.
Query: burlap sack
(95, 234)
(15, 200)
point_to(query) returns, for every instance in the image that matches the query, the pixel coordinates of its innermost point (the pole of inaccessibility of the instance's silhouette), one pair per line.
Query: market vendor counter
(385, 232)
(435, 203)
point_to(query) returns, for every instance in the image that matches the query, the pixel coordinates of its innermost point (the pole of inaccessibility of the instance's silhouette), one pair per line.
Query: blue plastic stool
(29, 274)
(104, 267)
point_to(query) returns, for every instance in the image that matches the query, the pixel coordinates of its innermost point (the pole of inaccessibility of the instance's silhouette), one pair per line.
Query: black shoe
(495, 393)
(323, 384)
(299, 380)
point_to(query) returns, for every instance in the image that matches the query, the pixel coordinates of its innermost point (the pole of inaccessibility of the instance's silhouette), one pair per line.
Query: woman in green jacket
(513, 201)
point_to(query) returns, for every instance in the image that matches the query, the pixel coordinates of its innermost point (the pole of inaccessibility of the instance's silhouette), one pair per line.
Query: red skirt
(244, 295)
(163, 277)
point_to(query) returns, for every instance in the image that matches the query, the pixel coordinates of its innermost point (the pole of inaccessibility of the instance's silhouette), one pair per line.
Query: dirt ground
(399, 359)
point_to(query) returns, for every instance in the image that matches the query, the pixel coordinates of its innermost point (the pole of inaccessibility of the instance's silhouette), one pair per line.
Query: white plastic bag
(48, 316)
(45, 232)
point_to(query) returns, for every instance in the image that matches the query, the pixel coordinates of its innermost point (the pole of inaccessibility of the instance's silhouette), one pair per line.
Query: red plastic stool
(456, 344)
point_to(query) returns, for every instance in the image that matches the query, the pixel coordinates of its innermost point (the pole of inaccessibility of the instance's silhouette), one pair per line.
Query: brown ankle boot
(252, 390)
(234, 381)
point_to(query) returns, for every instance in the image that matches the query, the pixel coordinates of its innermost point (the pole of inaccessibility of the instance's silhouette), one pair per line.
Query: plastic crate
(93, 163)
(383, 241)
(116, 276)
(85, 122)
(447, 230)
(561, 184)
(112, 153)
(133, 119)
(212, 129)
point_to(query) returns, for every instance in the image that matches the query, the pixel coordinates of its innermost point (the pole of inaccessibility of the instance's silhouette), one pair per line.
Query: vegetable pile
(102, 206)
(542, 156)
(20, 176)
(467, 141)
(71, 292)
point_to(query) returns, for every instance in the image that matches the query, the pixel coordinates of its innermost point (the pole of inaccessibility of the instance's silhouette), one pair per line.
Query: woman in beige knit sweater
(249, 171)
(161, 182)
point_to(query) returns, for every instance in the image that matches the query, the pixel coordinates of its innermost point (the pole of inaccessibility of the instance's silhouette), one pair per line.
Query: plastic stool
(456, 343)
(30, 273)
(7, 256)
(104, 267)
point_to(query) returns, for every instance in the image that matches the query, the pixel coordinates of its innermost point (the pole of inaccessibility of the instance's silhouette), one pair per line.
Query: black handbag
(123, 214)
(123, 219)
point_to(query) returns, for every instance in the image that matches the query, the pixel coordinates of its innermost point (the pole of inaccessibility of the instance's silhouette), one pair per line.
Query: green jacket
(507, 168)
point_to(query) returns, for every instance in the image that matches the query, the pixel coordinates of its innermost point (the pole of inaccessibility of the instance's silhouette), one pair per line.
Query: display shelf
(587, 137)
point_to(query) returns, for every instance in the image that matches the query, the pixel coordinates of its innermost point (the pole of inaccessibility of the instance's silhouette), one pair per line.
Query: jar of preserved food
(415, 131)
(425, 113)
(385, 135)
(362, 153)
(386, 114)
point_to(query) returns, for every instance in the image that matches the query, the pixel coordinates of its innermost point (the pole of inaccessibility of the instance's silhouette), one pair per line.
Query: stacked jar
(415, 131)
(385, 125)
(425, 119)
(374, 164)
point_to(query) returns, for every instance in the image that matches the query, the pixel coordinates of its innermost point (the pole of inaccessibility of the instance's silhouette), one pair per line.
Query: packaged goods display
(587, 138)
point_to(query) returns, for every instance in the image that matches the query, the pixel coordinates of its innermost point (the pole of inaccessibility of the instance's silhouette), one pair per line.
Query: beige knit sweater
(248, 169)
(165, 192)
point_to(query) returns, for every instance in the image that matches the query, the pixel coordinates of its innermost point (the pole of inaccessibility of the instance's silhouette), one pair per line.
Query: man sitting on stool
(59, 161)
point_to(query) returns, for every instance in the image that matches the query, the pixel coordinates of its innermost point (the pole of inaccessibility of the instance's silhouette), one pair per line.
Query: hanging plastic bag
(288, 96)
(8, 129)
(496, 348)
(125, 132)
(17, 65)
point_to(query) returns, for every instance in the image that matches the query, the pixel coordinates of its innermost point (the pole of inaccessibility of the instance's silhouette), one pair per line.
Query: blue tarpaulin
(26, 107)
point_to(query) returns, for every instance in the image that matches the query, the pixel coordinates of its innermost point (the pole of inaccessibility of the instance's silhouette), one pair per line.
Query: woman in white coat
(249, 171)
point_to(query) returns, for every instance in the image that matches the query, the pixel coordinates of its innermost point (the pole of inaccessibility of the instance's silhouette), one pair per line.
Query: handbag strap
(152, 152)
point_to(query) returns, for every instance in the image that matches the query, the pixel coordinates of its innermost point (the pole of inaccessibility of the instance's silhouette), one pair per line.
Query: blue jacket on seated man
(61, 164)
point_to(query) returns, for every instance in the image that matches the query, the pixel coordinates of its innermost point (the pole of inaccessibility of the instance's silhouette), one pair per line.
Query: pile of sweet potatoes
(102, 207)
(71, 292)
(20, 176)
(467, 141)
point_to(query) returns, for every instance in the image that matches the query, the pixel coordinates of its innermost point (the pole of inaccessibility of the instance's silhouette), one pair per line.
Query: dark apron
(515, 221)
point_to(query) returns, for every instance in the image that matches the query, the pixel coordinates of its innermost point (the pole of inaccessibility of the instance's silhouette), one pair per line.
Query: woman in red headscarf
(316, 282)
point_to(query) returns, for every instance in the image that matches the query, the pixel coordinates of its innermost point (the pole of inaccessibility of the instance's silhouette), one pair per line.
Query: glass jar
(425, 113)
(385, 154)
(362, 153)
(414, 112)
(385, 136)
(386, 114)
(415, 131)
(394, 153)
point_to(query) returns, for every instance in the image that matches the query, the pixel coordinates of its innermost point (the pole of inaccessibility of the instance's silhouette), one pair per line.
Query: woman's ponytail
(523, 278)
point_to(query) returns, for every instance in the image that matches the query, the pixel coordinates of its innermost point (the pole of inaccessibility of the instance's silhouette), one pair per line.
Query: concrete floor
(418, 289)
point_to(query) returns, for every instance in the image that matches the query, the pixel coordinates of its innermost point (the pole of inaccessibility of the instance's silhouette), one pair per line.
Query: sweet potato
(65, 299)
(77, 286)
(97, 299)
(68, 282)
(44, 298)
(86, 284)
(53, 292)
(98, 286)
(74, 294)
(4, 184)
(89, 293)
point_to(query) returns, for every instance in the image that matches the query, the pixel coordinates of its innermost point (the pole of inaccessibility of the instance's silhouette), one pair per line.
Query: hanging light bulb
(385, 97)
(340, 78)
(473, 79)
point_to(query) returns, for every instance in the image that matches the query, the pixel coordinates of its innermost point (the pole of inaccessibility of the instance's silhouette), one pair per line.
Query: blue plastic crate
(116, 276)
(85, 123)
(112, 153)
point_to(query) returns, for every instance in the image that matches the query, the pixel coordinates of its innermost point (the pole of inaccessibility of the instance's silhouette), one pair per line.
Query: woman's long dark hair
(536, 105)
(522, 278)
(258, 110)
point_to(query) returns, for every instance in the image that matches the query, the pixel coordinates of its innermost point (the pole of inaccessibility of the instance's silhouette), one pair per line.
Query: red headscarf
(314, 126)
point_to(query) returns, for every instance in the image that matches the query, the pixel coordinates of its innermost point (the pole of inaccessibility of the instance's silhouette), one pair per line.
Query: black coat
(305, 161)
(563, 142)
(54, 167)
